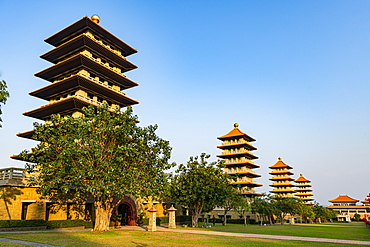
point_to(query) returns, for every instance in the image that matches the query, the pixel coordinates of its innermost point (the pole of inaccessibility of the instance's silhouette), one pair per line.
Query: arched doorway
(126, 208)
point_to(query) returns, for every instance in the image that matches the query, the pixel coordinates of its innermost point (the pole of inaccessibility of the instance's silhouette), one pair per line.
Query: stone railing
(14, 176)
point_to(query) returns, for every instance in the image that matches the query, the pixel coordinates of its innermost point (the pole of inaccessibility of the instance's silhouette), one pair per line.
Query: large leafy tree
(103, 155)
(242, 206)
(198, 184)
(4, 95)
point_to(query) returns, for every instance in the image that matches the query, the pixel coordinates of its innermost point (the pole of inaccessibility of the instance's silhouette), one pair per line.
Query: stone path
(246, 235)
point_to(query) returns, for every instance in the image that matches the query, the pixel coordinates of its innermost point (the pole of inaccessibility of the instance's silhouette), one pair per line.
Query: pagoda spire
(238, 157)
(282, 182)
(303, 190)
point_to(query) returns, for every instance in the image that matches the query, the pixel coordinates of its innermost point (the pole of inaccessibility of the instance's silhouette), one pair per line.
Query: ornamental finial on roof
(280, 158)
(301, 175)
(95, 18)
(236, 125)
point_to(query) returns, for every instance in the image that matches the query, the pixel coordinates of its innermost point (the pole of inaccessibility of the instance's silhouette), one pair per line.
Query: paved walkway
(246, 235)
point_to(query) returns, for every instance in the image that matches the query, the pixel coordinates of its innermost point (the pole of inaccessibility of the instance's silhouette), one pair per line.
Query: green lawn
(348, 231)
(142, 238)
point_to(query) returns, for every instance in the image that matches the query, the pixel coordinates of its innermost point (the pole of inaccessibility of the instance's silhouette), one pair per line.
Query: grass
(347, 231)
(141, 238)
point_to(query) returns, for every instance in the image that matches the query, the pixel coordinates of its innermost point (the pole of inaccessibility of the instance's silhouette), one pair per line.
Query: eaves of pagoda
(79, 62)
(86, 24)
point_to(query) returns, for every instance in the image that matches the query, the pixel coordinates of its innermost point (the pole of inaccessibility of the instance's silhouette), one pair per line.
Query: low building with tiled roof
(282, 182)
(346, 207)
(303, 190)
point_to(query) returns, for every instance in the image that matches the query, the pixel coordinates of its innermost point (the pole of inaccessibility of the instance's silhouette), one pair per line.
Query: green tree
(103, 155)
(263, 206)
(242, 206)
(4, 95)
(284, 206)
(356, 216)
(199, 183)
(304, 211)
(233, 196)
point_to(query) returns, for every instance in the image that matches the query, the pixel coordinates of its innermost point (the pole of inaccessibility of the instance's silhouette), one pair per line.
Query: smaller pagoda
(303, 190)
(282, 182)
(238, 157)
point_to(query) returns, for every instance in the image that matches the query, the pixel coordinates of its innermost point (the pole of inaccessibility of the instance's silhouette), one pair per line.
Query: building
(346, 207)
(88, 69)
(238, 157)
(303, 190)
(282, 182)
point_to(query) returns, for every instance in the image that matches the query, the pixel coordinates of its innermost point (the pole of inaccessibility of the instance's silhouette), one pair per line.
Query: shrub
(21, 223)
(67, 223)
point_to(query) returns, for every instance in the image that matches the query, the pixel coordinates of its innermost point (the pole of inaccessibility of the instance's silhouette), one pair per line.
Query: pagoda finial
(280, 158)
(95, 18)
(236, 125)
(301, 175)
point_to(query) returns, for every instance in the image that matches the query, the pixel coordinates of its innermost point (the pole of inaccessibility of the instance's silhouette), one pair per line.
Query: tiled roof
(344, 198)
(280, 164)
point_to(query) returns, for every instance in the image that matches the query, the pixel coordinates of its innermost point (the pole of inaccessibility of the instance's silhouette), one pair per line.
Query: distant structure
(282, 182)
(238, 156)
(303, 190)
(346, 207)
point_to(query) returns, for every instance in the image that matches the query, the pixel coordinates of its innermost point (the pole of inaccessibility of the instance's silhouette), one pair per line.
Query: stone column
(171, 217)
(152, 220)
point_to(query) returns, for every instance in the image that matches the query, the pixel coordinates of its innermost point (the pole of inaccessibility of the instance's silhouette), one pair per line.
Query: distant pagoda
(238, 159)
(89, 63)
(282, 180)
(303, 190)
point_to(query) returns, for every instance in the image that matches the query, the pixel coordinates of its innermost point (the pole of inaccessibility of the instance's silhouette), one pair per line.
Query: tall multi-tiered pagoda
(303, 190)
(282, 180)
(89, 63)
(238, 156)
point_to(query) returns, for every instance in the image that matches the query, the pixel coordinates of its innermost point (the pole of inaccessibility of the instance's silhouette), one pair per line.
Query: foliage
(357, 216)
(4, 95)
(51, 224)
(264, 206)
(101, 156)
(304, 211)
(242, 206)
(197, 184)
(284, 206)
(323, 213)
(233, 198)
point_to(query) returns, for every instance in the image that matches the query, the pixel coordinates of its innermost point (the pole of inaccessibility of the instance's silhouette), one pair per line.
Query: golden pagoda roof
(280, 164)
(344, 198)
(236, 132)
(301, 179)
(79, 82)
(83, 42)
(79, 62)
(365, 201)
(86, 24)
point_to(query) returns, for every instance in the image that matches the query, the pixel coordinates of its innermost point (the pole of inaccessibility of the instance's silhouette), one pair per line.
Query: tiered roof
(89, 63)
(238, 159)
(282, 180)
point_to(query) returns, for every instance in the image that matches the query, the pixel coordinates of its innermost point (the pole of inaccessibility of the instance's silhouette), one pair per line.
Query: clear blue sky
(294, 75)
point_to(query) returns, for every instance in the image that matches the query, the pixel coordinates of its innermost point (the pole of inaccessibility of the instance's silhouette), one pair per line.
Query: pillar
(152, 220)
(171, 217)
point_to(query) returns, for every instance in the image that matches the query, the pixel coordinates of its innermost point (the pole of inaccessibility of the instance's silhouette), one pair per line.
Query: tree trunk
(245, 220)
(224, 221)
(103, 212)
(282, 218)
(270, 219)
(194, 217)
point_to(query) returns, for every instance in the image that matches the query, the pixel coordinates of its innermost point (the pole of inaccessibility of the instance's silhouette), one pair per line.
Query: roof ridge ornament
(236, 125)
(95, 18)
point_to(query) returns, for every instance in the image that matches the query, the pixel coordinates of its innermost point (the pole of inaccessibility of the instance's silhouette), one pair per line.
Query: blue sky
(294, 75)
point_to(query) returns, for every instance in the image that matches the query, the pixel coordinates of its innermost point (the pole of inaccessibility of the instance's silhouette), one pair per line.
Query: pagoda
(88, 69)
(303, 190)
(282, 180)
(238, 157)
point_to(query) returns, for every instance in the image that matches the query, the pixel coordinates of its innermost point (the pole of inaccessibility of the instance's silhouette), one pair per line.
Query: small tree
(242, 206)
(263, 206)
(233, 196)
(4, 95)
(284, 206)
(103, 155)
(199, 183)
(356, 216)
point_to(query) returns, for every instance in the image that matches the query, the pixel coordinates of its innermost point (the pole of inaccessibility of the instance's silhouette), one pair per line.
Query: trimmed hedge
(67, 223)
(49, 224)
